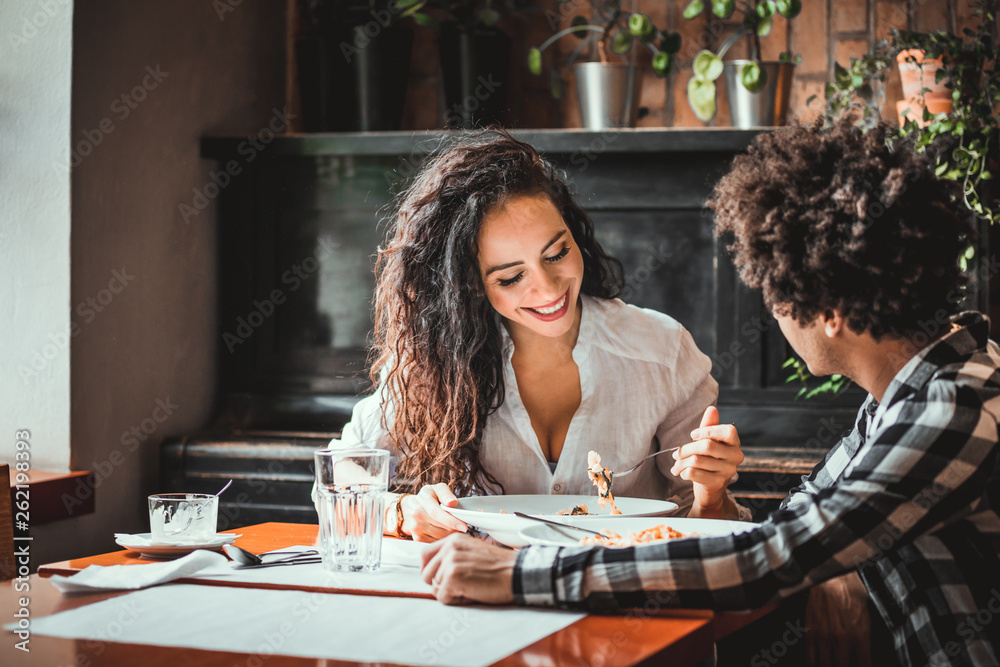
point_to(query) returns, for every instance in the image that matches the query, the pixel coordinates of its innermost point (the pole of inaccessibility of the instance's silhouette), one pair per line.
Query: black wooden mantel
(302, 365)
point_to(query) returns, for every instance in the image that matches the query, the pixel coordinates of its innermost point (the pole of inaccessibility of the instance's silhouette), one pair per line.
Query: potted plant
(353, 62)
(963, 137)
(608, 90)
(475, 60)
(757, 90)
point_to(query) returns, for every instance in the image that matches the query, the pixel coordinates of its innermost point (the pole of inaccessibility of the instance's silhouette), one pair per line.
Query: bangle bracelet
(399, 518)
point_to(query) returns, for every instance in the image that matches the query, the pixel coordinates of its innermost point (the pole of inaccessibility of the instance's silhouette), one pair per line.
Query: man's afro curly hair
(843, 219)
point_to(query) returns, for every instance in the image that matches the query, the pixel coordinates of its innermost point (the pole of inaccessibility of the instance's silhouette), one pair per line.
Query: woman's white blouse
(645, 386)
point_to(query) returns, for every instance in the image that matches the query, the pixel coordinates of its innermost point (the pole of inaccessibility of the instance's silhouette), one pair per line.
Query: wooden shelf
(57, 495)
(632, 140)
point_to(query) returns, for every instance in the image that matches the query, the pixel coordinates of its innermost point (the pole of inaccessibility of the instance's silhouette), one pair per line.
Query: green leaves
(764, 26)
(788, 8)
(723, 8)
(621, 42)
(829, 389)
(641, 26)
(701, 98)
(535, 61)
(753, 77)
(663, 64)
(701, 87)
(707, 66)
(693, 9)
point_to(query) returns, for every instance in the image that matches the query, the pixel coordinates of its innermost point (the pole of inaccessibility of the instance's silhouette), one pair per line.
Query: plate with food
(626, 532)
(495, 514)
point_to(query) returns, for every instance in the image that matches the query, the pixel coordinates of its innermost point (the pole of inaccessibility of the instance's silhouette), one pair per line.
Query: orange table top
(683, 636)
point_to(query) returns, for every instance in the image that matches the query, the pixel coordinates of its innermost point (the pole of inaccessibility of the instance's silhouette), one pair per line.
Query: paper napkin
(133, 577)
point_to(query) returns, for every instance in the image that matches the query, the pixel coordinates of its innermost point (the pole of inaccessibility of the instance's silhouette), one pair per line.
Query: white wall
(35, 81)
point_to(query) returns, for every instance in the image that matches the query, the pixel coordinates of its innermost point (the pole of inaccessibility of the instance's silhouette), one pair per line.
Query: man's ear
(832, 321)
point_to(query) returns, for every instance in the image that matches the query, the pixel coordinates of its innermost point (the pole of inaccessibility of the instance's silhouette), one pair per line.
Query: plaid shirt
(908, 498)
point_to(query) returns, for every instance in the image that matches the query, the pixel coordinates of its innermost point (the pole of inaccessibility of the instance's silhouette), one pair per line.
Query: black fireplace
(299, 223)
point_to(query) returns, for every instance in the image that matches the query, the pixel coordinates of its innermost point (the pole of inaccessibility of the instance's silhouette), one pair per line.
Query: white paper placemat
(398, 573)
(315, 625)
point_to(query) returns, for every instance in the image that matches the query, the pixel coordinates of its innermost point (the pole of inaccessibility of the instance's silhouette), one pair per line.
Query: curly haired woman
(502, 355)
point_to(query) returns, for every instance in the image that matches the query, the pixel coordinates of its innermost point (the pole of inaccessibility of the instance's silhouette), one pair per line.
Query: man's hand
(463, 569)
(710, 462)
(423, 518)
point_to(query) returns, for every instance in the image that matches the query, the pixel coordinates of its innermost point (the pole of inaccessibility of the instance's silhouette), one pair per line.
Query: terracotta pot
(914, 108)
(917, 73)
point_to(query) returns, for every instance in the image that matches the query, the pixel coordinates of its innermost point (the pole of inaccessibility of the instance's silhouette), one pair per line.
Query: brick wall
(826, 31)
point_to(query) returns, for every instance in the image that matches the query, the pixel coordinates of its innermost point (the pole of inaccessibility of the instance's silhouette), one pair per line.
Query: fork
(636, 466)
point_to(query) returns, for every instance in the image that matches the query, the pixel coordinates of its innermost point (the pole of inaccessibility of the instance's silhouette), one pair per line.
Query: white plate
(170, 551)
(484, 512)
(543, 535)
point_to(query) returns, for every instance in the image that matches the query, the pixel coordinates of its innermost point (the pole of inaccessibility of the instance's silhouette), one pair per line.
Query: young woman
(502, 355)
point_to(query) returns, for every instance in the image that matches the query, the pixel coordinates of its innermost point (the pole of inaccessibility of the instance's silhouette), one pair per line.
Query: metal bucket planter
(765, 108)
(608, 94)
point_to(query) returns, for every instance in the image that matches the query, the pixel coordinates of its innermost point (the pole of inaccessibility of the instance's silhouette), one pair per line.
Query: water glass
(351, 486)
(183, 518)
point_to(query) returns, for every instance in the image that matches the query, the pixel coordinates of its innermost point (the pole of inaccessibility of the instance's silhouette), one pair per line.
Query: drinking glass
(183, 518)
(351, 486)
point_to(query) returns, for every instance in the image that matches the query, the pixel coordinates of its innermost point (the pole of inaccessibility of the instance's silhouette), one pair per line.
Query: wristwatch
(398, 532)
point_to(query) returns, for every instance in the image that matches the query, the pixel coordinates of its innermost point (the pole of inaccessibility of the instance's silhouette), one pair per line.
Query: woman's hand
(463, 569)
(423, 518)
(710, 462)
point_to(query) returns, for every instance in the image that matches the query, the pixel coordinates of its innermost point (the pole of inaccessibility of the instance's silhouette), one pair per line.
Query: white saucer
(170, 551)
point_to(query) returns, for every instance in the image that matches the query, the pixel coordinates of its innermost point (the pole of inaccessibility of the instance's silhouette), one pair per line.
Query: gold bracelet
(399, 518)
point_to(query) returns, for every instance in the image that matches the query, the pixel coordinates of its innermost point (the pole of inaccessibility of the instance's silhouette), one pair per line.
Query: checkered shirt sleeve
(913, 509)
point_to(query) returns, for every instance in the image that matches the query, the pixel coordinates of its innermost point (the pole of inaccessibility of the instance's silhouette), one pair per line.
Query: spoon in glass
(197, 513)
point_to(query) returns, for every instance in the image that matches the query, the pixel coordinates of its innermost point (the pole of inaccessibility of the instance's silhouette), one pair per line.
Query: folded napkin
(141, 540)
(133, 577)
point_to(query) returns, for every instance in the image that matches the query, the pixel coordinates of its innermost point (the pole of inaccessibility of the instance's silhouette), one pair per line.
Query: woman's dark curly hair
(437, 348)
(848, 220)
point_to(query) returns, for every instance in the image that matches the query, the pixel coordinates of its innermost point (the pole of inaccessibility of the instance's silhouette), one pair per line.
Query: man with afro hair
(855, 245)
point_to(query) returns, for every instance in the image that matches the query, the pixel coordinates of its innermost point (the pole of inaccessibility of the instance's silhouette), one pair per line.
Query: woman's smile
(553, 311)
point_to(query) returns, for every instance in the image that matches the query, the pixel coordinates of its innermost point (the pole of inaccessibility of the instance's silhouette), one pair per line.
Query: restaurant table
(684, 637)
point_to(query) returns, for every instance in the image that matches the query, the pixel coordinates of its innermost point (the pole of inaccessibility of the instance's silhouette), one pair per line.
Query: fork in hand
(636, 466)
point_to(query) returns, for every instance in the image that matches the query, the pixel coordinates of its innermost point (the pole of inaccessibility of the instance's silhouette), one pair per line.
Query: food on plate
(610, 538)
(577, 510)
(601, 477)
